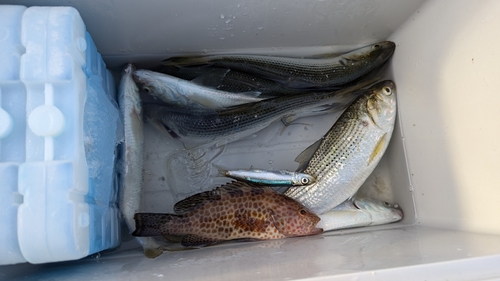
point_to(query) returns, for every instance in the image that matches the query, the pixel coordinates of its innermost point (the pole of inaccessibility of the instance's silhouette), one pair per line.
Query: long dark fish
(229, 80)
(199, 127)
(237, 210)
(301, 72)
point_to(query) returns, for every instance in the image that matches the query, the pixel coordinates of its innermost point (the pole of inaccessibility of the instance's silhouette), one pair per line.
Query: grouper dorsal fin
(231, 189)
(306, 155)
(193, 202)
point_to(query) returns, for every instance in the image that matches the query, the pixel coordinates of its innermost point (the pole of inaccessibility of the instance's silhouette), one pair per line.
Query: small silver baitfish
(132, 156)
(237, 210)
(343, 159)
(358, 212)
(301, 72)
(180, 92)
(269, 177)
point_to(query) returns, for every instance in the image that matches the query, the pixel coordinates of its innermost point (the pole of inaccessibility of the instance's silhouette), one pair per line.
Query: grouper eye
(304, 180)
(302, 212)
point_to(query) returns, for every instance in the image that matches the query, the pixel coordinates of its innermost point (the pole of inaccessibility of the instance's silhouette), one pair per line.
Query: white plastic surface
(12, 130)
(58, 136)
(409, 253)
(445, 67)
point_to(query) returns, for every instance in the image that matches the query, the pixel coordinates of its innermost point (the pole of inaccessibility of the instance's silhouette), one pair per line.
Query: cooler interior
(440, 166)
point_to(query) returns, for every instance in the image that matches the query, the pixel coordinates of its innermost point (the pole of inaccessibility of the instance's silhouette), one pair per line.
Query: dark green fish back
(298, 72)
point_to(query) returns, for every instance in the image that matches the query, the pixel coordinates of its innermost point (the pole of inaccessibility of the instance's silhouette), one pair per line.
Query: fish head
(146, 80)
(381, 104)
(303, 179)
(381, 212)
(375, 55)
(293, 219)
(159, 85)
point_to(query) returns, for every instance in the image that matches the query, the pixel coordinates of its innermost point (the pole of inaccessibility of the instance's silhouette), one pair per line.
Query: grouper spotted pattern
(237, 210)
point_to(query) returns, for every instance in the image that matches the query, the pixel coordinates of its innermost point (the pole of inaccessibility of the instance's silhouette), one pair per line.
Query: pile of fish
(215, 100)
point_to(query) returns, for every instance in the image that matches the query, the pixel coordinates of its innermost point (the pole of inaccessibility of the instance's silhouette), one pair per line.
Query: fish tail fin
(221, 172)
(151, 224)
(186, 61)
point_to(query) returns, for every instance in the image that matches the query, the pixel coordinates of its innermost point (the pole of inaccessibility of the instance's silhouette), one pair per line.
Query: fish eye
(376, 46)
(302, 212)
(147, 90)
(304, 180)
(386, 90)
(387, 204)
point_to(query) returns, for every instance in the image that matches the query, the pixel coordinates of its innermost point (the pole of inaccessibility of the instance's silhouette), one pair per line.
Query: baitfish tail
(150, 224)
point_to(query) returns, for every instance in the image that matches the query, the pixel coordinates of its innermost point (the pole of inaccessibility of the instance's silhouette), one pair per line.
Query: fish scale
(301, 72)
(236, 210)
(343, 159)
(205, 126)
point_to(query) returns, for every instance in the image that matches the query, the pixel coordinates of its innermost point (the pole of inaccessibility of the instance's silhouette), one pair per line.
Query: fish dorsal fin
(232, 189)
(238, 188)
(306, 155)
(193, 202)
(211, 79)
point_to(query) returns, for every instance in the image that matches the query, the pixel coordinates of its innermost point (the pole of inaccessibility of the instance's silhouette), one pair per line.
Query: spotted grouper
(237, 210)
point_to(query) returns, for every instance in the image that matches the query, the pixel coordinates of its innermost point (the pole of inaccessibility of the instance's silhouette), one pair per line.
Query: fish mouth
(399, 212)
(139, 77)
(317, 230)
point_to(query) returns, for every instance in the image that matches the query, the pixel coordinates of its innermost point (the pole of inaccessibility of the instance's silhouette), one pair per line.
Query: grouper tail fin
(151, 224)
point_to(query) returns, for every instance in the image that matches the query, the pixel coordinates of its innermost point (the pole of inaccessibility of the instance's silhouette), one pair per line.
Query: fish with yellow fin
(343, 159)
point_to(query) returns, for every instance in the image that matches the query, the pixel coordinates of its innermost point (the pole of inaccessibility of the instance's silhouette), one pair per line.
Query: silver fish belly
(132, 157)
(359, 212)
(180, 92)
(343, 159)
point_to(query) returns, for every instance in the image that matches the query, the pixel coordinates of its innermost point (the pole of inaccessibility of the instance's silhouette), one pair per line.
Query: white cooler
(441, 166)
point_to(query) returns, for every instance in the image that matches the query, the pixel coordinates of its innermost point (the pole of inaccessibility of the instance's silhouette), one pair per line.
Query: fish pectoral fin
(193, 240)
(162, 127)
(379, 147)
(172, 238)
(279, 224)
(319, 110)
(306, 155)
(288, 119)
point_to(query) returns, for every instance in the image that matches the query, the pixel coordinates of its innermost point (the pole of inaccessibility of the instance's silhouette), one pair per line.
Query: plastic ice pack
(59, 126)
